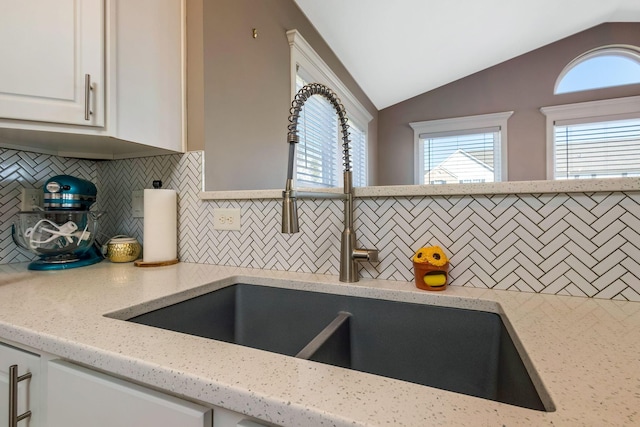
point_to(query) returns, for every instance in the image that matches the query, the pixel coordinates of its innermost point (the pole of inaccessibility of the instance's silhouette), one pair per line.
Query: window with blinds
(597, 150)
(319, 157)
(459, 157)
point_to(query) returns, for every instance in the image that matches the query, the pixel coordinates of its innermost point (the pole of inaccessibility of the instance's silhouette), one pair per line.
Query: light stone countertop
(586, 351)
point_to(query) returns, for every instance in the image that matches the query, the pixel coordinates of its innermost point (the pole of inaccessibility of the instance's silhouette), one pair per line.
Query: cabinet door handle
(14, 379)
(87, 96)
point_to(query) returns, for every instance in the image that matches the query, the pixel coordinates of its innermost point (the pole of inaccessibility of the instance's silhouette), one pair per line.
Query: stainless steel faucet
(349, 254)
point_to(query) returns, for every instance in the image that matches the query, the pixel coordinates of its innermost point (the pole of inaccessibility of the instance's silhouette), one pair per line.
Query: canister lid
(122, 240)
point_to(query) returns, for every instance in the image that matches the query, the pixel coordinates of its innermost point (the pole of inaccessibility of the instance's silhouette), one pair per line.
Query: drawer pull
(14, 379)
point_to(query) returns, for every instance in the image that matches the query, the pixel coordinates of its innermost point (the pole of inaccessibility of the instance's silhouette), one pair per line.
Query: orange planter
(430, 277)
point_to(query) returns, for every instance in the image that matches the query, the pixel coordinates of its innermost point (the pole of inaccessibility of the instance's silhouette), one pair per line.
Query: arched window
(605, 66)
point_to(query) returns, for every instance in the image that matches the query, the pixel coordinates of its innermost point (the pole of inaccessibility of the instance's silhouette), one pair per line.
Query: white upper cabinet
(47, 49)
(93, 78)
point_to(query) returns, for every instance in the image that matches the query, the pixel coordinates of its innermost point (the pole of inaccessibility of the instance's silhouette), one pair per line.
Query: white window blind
(460, 157)
(317, 149)
(596, 150)
(319, 161)
(358, 155)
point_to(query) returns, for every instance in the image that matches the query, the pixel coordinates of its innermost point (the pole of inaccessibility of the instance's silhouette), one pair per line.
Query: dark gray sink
(464, 351)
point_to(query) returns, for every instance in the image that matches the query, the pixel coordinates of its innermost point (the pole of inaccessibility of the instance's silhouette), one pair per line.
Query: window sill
(510, 187)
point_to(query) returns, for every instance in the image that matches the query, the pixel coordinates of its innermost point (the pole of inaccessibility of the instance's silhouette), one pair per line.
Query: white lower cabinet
(58, 393)
(28, 393)
(79, 397)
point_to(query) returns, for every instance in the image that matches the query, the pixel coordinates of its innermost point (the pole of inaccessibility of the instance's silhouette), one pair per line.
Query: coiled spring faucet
(349, 254)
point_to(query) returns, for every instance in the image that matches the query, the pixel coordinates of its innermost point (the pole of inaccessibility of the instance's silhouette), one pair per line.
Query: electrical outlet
(226, 219)
(31, 199)
(137, 203)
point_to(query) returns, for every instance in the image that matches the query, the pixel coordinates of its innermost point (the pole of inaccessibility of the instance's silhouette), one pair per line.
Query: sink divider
(312, 347)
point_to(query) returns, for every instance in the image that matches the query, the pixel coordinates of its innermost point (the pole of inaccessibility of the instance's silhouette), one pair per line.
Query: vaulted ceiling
(402, 48)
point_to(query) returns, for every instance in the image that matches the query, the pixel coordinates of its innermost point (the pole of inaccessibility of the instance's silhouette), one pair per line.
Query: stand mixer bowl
(62, 239)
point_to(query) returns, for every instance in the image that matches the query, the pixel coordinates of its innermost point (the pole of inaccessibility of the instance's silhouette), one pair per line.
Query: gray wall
(523, 85)
(195, 77)
(247, 90)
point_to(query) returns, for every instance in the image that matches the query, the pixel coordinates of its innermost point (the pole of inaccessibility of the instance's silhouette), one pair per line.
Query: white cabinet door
(149, 77)
(79, 397)
(28, 390)
(46, 49)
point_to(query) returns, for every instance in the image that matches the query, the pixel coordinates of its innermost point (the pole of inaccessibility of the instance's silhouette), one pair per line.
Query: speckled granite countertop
(586, 351)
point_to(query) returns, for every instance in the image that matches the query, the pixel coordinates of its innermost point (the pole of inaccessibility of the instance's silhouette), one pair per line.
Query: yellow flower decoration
(433, 255)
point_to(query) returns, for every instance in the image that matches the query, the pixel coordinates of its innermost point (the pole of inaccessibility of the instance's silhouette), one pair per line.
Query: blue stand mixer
(63, 234)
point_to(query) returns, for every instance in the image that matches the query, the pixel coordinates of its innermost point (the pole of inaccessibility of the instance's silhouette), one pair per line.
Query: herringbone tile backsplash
(582, 244)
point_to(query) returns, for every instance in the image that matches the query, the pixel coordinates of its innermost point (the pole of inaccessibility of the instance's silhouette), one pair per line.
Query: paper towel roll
(160, 241)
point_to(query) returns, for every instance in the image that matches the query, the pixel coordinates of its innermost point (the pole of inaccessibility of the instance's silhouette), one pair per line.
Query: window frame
(460, 124)
(585, 112)
(304, 56)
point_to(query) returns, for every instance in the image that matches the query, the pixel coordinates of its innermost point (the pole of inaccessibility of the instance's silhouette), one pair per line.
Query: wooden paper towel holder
(142, 263)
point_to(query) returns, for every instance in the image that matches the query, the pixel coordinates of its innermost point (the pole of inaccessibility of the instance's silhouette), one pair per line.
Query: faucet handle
(370, 255)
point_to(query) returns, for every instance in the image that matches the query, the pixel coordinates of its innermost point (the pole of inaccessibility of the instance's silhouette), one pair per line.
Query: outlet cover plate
(137, 203)
(31, 199)
(226, 219)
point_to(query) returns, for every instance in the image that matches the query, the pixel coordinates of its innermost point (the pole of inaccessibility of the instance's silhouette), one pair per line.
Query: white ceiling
(397, 49)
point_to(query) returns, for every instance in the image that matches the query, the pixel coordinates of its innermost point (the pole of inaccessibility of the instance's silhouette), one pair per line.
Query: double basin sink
(459, 350)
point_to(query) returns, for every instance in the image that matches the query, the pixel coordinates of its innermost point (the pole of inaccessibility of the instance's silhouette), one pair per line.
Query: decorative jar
(123, 249)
